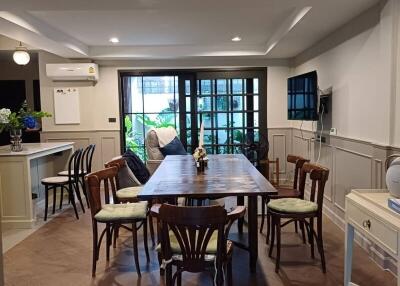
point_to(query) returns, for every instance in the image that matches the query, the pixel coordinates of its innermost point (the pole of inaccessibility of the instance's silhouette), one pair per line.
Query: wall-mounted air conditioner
(73, 72)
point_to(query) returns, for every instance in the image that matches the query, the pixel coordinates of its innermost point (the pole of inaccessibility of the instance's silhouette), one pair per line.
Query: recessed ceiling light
(236, 39)
(114, 40)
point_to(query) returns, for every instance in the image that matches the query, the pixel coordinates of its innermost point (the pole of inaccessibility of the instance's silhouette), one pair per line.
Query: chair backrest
(299, 162)
(74, 164)
(89, 157)
(94, 181)
(193, 228)
(318, 176)
(125, 176)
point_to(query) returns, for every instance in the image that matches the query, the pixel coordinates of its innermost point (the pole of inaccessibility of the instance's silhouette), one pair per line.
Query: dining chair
(68, 183)
(194, 239)
(113, 215)
(301, 210)
(127, 194)
(84, 169)
(284, 191)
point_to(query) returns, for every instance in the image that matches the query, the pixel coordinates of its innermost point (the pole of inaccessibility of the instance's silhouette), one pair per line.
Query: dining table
(226, 175)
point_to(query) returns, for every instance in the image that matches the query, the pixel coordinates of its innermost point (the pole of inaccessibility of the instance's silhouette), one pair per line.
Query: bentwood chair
(113, 215)
(68, 183)
(194, 239)
(284, 191)
(84, 169)
(127, 194)
(304, 211)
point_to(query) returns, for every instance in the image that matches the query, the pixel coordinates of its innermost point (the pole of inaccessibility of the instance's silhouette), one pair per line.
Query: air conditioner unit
(73, 72)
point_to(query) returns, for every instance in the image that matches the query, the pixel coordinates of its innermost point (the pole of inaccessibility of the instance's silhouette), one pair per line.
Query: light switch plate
(333, 131)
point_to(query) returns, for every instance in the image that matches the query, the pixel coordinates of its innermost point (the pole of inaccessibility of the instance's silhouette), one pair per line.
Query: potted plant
(14, 122)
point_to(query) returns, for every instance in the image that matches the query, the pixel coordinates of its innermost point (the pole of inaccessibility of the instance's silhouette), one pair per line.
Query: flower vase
(16, 140)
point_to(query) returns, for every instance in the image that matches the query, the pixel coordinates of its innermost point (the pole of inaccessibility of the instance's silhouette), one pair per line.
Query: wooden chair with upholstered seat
(84, 169)
(284, 191)
(301, 210)
(194, 239)
(113, 215)
(68, 183)
(127, 194)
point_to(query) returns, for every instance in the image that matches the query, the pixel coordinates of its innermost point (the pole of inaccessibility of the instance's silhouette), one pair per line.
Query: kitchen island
(20, 175)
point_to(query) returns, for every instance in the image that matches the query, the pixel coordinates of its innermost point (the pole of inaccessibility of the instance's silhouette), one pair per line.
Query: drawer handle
(367, 224)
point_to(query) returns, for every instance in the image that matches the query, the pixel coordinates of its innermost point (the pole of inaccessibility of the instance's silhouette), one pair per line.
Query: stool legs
(135, 249)
(321, 243)
(54, 199)
(263, 202)
(72, 200)
(278, 243)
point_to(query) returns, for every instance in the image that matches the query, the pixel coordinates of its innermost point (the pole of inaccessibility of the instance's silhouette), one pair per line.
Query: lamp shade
(21, 56)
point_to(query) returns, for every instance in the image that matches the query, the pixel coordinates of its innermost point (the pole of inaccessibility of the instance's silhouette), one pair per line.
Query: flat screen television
(303, 97)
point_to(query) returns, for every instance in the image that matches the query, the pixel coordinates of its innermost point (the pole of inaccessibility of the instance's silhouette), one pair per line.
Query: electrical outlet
(112, 119)
(333, 131)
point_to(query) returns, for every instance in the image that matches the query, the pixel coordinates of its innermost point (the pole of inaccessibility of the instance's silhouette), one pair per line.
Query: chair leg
(303, 233)
(168, 274)
(54, 199)
(295, 226)
(135, 248)
(95, 250)
(268, 227)
(229, 272)
(311, 237)
(72, 200)
(145, 240)
(271, 246)
(263, 202)
(116, 233)
(108, 241)
(78, 195)
(179, 278)
(151, 229)
(46, 201)
(82, 182)
(321, 243)
(278, 243)
(61, 197)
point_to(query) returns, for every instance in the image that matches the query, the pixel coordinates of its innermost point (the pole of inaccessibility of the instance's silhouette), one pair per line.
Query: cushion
(292, 205)
(174, 147)
(128, 193)
(165, 135)
(111, 212)
(137, 167)
(65, 173)
(152, 146)
(56, 180)
(176, 249)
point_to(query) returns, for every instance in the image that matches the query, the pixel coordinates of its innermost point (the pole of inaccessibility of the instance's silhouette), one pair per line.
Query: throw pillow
(174, 147)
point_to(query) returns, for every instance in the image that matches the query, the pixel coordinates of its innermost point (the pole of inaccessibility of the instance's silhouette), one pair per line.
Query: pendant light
(21, 56)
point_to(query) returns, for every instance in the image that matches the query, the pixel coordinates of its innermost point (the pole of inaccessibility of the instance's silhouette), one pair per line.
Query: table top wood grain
(226, 175)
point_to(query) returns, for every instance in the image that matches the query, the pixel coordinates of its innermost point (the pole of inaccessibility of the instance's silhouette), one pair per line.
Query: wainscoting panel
(107, 143)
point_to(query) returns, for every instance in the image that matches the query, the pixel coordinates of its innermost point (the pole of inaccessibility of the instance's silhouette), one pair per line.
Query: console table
(367, 212)
(20, 175)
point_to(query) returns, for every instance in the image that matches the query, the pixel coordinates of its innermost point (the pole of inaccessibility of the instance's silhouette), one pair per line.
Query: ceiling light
(114, 40)
(21, 56)
(236, 39)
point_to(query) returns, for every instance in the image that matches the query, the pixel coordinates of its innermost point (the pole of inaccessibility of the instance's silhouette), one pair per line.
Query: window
(149, 102)
(227, 102)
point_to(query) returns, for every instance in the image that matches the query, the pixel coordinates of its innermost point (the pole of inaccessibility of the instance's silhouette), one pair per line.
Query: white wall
(277, 97)
(360, 72)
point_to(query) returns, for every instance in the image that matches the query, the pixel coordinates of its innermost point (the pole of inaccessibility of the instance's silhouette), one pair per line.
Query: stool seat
(128, 193)
(292, 205)
(55, 180)
(65, 173)
(118, 212)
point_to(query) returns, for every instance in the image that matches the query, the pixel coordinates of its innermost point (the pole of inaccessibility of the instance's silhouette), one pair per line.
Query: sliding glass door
(229, 104)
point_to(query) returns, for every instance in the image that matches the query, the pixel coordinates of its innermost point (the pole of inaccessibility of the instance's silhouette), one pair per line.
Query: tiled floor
(59, 253)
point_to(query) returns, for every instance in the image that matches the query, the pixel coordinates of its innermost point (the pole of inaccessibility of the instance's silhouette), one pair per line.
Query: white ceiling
(175, 28)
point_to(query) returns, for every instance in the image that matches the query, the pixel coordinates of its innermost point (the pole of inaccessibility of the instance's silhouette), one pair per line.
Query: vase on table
(16, 140)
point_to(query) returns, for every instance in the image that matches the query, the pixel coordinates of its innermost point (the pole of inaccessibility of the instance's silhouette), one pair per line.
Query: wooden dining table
(227, 175)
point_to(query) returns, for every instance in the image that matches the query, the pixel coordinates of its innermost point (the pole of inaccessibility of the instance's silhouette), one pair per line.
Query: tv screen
(303, 97)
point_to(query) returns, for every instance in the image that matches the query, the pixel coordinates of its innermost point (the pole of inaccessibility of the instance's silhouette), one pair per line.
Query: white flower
(4, 114)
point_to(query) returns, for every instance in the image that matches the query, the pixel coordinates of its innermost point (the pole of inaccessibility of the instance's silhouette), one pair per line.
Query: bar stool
(68, 183)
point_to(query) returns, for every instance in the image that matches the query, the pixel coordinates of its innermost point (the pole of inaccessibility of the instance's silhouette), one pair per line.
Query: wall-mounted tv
(303, 97)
